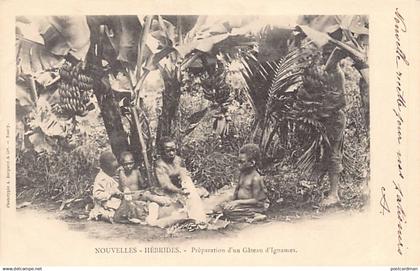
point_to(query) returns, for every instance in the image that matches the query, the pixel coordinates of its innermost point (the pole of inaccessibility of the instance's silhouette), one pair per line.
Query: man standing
(335, 123)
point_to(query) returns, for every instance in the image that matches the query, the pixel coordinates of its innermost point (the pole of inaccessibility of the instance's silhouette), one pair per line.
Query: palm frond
(257, 77)
(307, 161)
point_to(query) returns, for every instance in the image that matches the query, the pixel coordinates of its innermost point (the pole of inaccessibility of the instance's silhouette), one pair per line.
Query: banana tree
(274, 38)
(182, 40)
(39, 55)
(138, 45)
(128, 44)
(349, 33)
(288, 116)
(74, 46)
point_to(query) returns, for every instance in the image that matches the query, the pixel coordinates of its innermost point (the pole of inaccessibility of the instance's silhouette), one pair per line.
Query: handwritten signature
(383, 202)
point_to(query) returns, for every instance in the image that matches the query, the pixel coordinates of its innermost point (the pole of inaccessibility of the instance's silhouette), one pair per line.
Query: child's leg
(168, 210)
(161, 200)
(247, 212)
(128, 210)
(108, 216)
(214, 202)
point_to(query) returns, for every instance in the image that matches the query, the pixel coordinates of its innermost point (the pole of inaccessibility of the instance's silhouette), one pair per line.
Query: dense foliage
(216, 91)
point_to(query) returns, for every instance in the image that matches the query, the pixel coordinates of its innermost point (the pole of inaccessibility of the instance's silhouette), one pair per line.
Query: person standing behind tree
(332, 101)
(334, 122)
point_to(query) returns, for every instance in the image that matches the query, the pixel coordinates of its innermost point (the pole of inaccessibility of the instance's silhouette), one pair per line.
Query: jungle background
(93, 83)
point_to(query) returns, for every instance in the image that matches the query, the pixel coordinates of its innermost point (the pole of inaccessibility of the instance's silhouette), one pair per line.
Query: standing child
(250, 200)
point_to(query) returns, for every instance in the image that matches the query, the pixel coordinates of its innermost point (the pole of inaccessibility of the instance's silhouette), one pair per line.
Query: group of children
(122, 195)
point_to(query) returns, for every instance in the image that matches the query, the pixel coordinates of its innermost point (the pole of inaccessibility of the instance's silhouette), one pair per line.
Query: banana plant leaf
(321, 23)
(128, 35)
(66, 34)
(357, 24)
(274, 33)
(318, 37)
(212, 30)
(187, 21)
(33, 58)
(123, 33)
(204, 45)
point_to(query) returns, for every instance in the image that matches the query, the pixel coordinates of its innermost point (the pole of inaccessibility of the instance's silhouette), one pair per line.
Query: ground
(75, 220)
(47, 236)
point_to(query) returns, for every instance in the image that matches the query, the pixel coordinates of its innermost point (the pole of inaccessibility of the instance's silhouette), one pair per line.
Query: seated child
(110, 203)
(250, 200)
(132, 183)
(135, 194)
(106, 194)
(131, 180)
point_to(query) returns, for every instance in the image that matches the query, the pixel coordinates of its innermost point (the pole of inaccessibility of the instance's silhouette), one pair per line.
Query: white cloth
(104, 204)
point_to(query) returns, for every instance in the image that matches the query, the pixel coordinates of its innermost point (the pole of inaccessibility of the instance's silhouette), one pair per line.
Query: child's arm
(123, 186)
(161, 200)
(141, 181)
(101, 193)
(235, 193)
(165, 181)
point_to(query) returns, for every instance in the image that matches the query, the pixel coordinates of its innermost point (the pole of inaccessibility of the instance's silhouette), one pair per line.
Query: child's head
(127, 161)
(249, 156)
(168, 149)
(108, 163)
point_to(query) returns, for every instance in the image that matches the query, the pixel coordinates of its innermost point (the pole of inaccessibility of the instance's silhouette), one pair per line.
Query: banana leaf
(33, 58)
(66, 34)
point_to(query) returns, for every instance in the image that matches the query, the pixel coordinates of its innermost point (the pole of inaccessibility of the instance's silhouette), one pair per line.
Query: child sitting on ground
(113, 205)
(137, 199)
(132, 183)
(106, 194)
(131, 180)
(250, 201)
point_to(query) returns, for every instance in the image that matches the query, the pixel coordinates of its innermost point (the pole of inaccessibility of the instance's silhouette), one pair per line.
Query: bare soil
(76, 220)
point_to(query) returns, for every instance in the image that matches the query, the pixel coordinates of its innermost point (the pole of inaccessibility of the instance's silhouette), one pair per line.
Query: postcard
(140, 133)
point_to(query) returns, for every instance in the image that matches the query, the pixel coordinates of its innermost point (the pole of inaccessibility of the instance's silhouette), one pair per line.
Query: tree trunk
(257, 127)
(112, 119)
(170, 105)
(364, 93)
(137, 127)
(134, 144)
(109, 108)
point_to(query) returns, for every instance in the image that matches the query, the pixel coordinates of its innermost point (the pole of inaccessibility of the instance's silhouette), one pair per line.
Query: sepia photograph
(155, 127)
(234, 133)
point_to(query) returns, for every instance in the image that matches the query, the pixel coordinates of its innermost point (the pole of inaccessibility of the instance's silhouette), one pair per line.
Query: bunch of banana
(314, 77)
(215, 88)
(75, 89)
